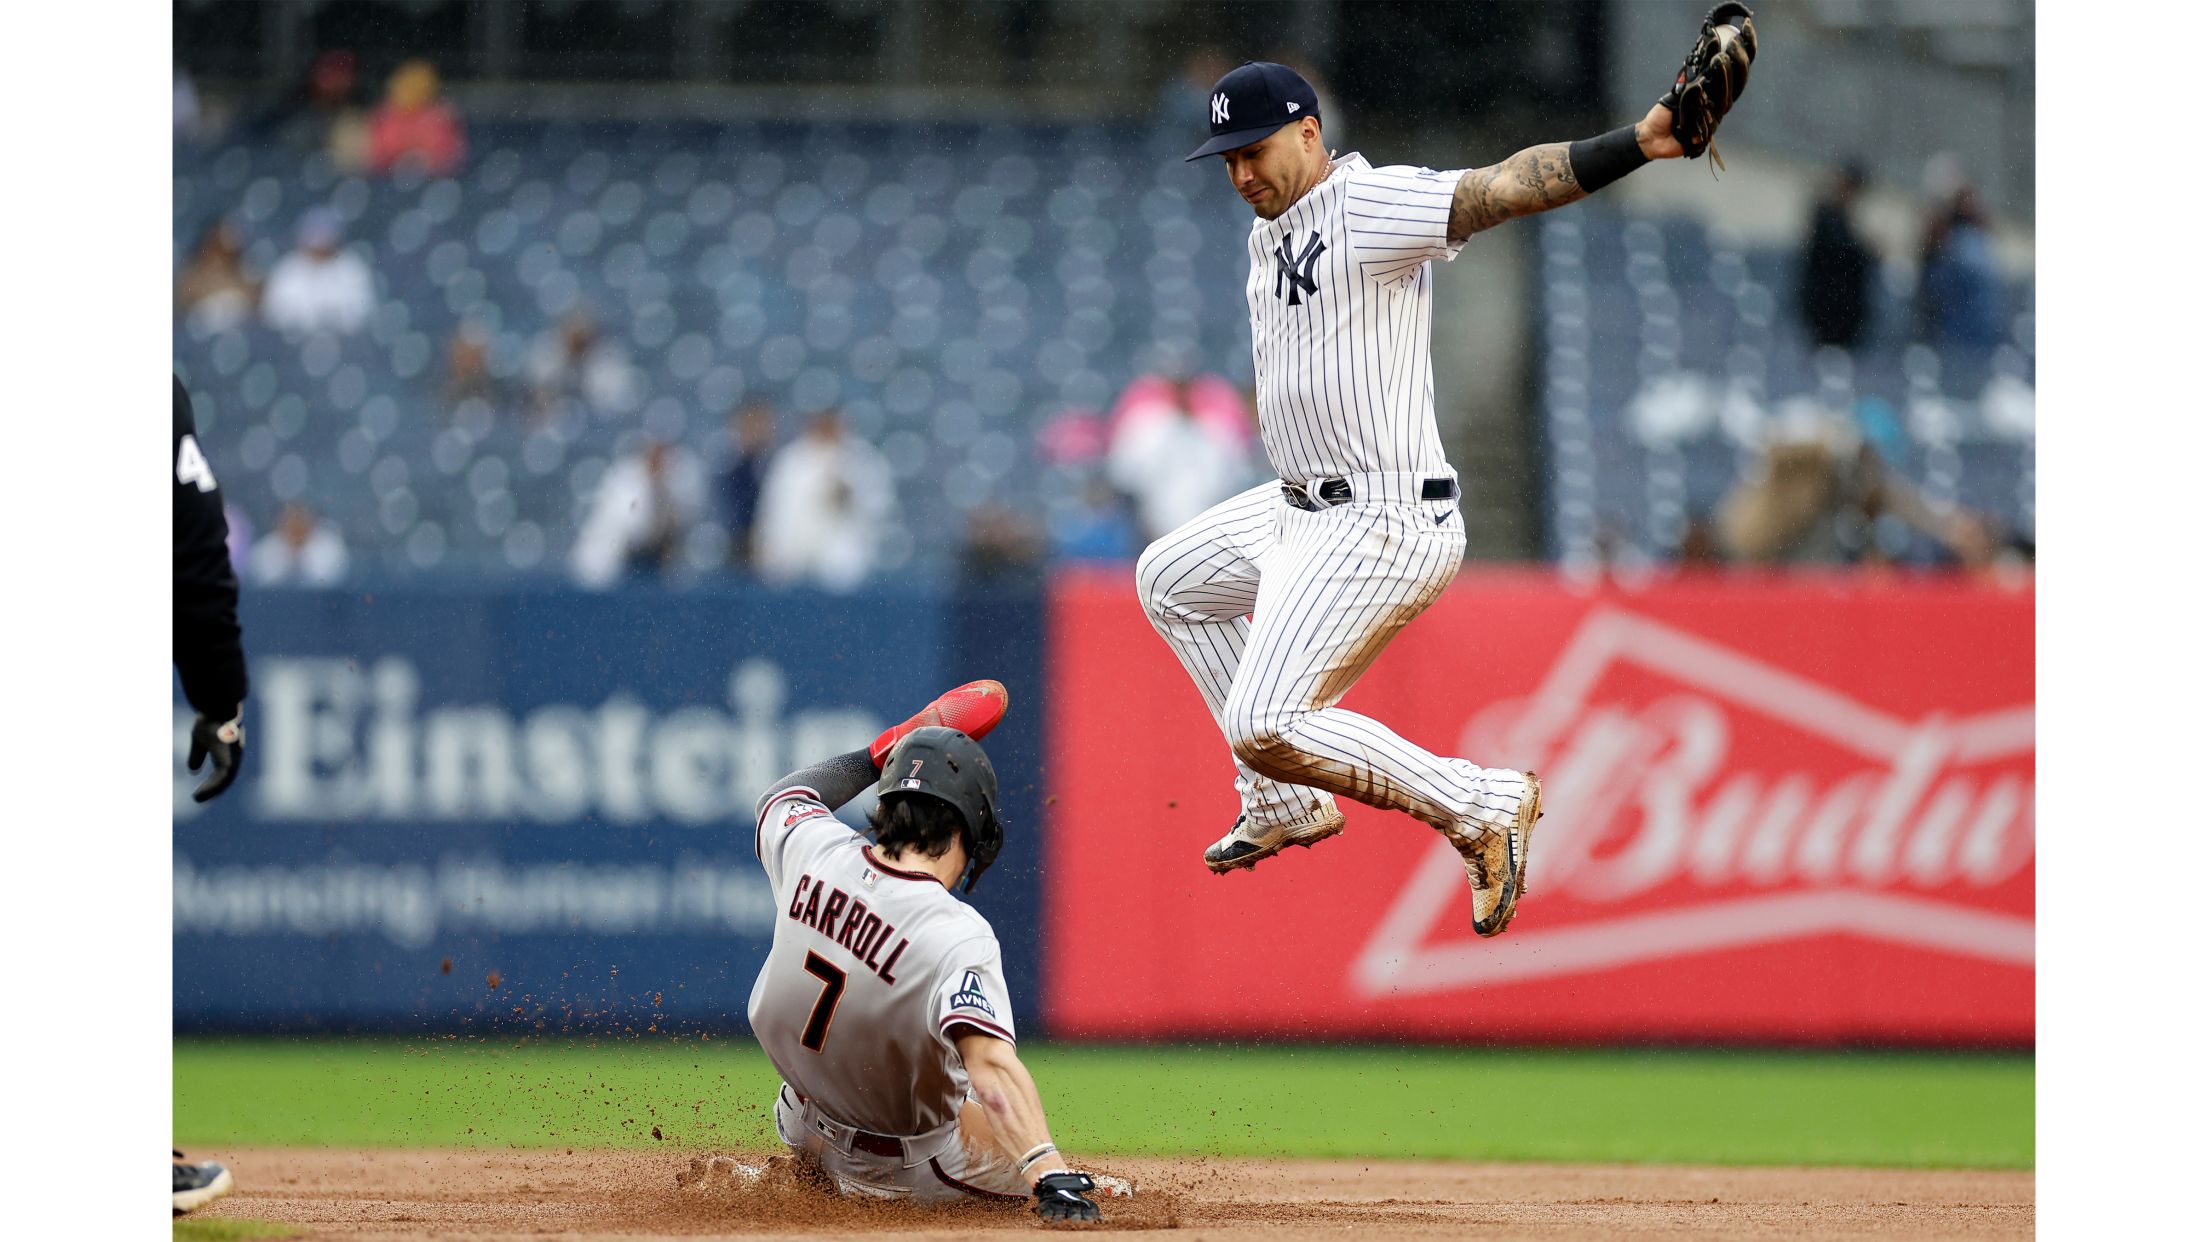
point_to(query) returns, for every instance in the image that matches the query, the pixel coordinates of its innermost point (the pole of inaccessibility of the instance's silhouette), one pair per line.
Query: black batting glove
(1062, 1197)
(220, 743)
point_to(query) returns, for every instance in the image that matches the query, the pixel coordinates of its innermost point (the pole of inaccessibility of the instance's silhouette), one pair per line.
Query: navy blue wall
(555, 787)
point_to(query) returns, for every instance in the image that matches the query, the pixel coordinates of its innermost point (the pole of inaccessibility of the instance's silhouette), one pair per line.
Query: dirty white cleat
(1247, 845)
(1495, 862)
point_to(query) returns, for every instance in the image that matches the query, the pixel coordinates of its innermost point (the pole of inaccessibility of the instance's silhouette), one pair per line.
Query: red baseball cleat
(973, 709)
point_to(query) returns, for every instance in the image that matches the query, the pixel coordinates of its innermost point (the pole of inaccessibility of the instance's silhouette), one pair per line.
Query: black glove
(1712, 79)
(221, 743)
(1061, 1197)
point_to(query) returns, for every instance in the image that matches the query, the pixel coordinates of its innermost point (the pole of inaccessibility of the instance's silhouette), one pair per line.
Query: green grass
(1890, 1109)
(210, 1229)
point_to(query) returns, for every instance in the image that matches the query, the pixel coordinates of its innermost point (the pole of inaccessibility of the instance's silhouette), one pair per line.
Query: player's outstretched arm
(1546, 177)
(1007, 1095)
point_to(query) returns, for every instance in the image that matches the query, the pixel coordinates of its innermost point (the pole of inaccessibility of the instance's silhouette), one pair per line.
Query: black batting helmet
(950, 767)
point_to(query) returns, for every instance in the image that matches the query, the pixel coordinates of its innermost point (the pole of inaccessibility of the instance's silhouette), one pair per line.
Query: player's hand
(1654, 135)
(222, 744)
(1063, 1197)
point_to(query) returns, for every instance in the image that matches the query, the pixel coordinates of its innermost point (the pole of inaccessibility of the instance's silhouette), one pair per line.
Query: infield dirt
(478, 1195)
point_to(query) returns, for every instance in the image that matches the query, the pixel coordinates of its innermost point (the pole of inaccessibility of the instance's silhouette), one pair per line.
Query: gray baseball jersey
(1341, 315)
(873, 970)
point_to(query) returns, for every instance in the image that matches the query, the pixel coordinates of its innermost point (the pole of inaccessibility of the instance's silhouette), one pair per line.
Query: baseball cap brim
(1228, 142)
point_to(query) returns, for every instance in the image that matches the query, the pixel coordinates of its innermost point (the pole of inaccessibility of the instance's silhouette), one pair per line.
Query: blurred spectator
(303, 550)
(573, 360)
(413, 126)
(183, 105)
(1178, 449)
(1836, 266)
(321, 113)
(1073, 437)
(1188, 91)
(823, 509)
(213, 290)
(1099, 529)
(1819, 496)
(750, 440)
(1958, 287)
(646, 504)
(468, 374)
(1698, 546)
(239, 546)
(1001, 546)
(319, 287)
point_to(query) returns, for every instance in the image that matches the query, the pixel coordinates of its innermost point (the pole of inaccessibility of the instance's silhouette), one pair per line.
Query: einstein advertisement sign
(1792, 812)
(532, 811)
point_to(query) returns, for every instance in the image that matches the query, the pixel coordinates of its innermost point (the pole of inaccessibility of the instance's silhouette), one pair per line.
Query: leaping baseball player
(1277, 600)
(883, 1001)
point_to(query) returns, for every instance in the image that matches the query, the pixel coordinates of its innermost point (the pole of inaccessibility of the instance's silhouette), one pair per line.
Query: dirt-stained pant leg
(1339, 584)
(1198, 585)
(942, 1169)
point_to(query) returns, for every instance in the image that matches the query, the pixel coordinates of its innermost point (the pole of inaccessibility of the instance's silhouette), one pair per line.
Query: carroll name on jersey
(845, 920)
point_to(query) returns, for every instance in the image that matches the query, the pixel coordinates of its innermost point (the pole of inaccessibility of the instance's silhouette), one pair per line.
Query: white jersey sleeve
(784, 815)
(971, 992)
(1398, 218)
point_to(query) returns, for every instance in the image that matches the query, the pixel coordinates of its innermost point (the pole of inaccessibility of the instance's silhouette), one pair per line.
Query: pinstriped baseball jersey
(873, 968)
(1341, 312)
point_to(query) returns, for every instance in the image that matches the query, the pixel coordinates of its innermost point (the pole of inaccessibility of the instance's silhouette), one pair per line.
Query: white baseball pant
(1276, 611)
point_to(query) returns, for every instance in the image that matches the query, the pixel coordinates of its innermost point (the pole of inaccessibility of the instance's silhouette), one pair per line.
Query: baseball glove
(1712, 78)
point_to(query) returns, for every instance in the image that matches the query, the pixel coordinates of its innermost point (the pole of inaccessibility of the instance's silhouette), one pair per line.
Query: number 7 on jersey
(824, 1010)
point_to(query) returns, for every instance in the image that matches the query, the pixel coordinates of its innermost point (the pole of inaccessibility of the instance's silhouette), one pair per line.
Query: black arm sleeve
(209, 650)
(836, 780)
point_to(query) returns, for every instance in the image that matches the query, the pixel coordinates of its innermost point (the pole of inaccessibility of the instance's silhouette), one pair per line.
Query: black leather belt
(877, 1145)
(1323, 493)
(872, 1144)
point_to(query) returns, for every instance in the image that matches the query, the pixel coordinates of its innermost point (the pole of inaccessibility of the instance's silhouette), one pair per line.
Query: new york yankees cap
(1253, 101)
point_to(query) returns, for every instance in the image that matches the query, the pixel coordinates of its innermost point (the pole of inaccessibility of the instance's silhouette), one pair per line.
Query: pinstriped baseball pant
(1275, 612)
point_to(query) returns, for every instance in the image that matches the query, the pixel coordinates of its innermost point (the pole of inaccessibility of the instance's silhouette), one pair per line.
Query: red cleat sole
(973, 709)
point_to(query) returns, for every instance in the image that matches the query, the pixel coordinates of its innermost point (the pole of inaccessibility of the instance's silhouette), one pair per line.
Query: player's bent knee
(1150, 584)
(1266, 750)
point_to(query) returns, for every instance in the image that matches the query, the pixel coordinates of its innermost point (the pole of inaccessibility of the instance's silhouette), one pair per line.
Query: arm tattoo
(1534, 180)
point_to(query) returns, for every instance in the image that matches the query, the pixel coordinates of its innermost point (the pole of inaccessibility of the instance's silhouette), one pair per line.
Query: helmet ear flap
(983, 841)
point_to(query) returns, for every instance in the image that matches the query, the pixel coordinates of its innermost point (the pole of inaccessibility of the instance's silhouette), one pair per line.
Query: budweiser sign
(1776, 810)
(1659, 797)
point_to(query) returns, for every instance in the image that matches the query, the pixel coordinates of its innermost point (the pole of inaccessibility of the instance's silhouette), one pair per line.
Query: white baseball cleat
(1247, 845)
(1495, 863)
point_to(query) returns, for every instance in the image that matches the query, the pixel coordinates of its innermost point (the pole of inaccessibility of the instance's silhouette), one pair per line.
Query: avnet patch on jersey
(970, 995)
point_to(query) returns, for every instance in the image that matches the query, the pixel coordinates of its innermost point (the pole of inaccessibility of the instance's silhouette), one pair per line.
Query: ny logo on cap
(1218, 108)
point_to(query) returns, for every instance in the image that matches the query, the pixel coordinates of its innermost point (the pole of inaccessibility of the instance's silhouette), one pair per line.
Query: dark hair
(928, 825)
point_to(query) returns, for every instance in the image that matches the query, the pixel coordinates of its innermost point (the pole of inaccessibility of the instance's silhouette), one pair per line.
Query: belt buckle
(1299, 497)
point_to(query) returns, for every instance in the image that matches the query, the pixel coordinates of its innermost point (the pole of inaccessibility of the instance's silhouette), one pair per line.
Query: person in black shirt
(1837, 267)
(210, 659)
(209, 650)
